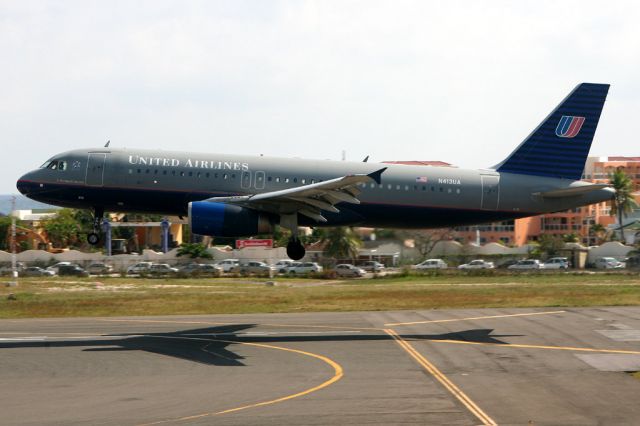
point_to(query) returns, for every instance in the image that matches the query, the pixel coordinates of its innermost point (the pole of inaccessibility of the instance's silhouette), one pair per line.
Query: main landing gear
(295, 249)
(93, 238)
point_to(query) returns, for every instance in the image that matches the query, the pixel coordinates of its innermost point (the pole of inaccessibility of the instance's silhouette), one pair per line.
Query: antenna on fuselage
(365, 159)
(106, 145)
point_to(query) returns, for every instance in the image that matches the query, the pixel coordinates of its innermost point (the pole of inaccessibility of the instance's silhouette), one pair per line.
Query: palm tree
(598, 231)
(341, 242)
(623, 201)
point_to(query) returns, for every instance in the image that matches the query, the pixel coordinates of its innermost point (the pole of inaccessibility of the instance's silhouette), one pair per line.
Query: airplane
(240, 195)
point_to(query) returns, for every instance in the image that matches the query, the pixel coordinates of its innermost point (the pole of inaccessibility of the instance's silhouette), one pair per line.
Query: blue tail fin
(559, 146)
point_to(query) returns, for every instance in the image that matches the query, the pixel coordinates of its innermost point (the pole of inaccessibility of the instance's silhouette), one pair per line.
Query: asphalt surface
(446, 367)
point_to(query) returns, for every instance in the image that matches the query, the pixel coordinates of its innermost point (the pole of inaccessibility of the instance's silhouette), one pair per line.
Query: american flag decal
(421, 179)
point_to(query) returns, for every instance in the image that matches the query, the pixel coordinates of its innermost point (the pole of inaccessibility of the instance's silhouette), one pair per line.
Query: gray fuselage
(164, 182)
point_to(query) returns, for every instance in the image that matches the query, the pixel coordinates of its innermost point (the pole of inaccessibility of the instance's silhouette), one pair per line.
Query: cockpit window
(46, 164)
(56, 165)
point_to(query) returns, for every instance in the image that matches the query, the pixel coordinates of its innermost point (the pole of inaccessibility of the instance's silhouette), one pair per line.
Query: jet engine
(227, 220)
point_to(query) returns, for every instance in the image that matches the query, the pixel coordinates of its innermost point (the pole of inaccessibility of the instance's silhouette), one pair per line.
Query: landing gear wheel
(295, 249)
(93, 238)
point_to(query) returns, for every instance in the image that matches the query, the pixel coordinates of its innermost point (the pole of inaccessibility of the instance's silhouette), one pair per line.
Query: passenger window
(164, 172)
(190, 174)
(286, 180)
(225, 176)
(295, 180)
(277, 179)
(182, 174)
(304, 181)
(208, 174)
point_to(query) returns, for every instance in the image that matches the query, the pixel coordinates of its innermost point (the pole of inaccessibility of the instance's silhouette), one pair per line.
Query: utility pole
(14, 269)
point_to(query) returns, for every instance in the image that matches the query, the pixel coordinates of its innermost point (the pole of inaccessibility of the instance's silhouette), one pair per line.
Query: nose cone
(24, 184)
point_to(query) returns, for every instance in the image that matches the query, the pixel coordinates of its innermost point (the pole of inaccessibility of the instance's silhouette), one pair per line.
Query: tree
(623, 201)
(5, 230)
(63, 229)
(341, 242)
(194, 251)
(599, 232)
(426, 240)
(550, 244)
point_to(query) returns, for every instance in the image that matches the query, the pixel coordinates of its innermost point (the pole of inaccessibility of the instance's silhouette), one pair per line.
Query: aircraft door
(259, 180)
(95, 169)
(490, 192)
(245, 182)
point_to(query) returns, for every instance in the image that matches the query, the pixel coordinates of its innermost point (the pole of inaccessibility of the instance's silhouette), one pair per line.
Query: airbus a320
(241, 195)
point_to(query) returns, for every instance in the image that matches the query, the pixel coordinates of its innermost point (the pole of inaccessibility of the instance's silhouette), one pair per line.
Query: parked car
(608, 263)
(99, 268)
(373, 266)
(228, 264)
(477, 264)
(253, 267)
(527, 264)
(34, 271)
(162, 269)
(56, 267)
(139, 268)
(557, 263)
(6, 270)
(305, 268)
(201, 269)
(72, 270)
(282, 266)
(348, 270)
(431, 264)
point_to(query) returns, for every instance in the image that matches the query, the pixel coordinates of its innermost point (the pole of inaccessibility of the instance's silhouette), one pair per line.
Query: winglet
(377, 175)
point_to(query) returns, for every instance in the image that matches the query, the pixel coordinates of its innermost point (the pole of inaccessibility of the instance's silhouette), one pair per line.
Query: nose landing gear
(93, 238)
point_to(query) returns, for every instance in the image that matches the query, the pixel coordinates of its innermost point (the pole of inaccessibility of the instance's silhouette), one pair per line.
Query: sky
(457, 81)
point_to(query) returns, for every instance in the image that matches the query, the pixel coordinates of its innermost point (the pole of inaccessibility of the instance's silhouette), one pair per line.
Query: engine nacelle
(226, 220)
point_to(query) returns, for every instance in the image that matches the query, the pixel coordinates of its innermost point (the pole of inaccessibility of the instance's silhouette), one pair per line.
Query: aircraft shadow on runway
(211, 345)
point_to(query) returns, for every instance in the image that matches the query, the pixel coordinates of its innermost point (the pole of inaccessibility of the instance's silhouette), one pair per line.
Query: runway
(453, 367)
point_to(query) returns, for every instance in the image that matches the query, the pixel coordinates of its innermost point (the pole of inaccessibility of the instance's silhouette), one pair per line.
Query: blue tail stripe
(549, 150)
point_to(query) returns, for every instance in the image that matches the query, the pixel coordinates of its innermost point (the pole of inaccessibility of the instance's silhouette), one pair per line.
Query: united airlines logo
(569, 126)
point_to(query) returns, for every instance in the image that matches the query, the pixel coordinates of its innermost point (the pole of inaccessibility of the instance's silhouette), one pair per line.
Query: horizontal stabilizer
(574, 191)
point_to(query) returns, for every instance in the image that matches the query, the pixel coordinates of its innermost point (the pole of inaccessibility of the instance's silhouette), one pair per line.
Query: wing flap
(308, 200)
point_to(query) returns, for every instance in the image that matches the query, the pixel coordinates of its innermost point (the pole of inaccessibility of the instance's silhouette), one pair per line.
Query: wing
(308, 200)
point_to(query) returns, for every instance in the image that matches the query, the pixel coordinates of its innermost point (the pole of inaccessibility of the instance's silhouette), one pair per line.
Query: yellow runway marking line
(474, 318)
(438, 375)
(338, 374)
(515, 345)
